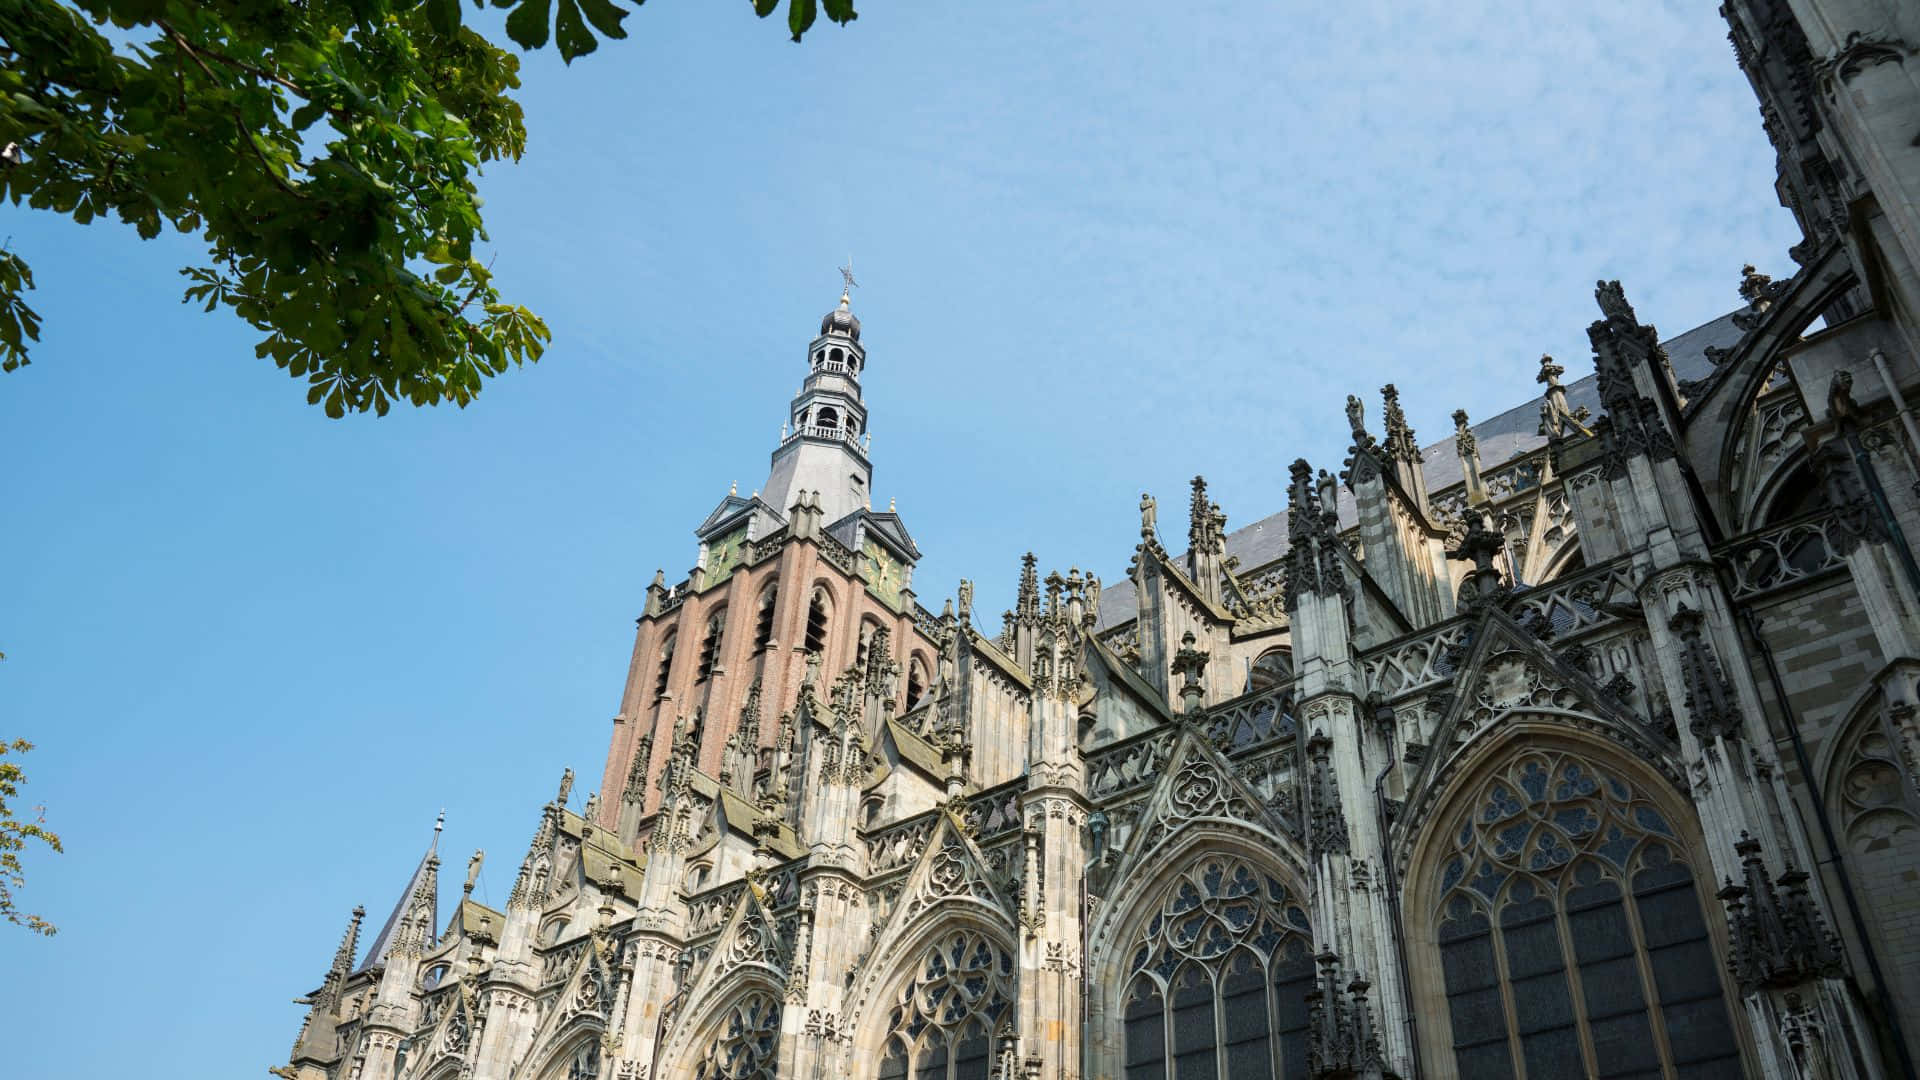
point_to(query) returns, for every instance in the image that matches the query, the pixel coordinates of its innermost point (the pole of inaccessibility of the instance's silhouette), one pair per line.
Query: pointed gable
(1510, 674)
(1198, 785)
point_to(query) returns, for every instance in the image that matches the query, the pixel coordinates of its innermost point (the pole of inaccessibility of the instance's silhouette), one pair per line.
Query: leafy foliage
(14, 834)
(325, 151)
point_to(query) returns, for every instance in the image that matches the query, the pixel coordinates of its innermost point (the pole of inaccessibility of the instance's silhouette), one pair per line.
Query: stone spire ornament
(1400, 443)
(1468, 447)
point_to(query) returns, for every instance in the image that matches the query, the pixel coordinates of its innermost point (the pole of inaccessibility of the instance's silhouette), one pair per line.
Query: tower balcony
(833, 434)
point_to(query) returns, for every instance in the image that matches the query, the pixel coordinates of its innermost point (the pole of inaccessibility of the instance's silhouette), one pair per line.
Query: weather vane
(846, 272)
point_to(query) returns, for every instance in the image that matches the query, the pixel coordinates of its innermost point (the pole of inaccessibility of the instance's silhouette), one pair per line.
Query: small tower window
(817, 622)
(666, 666)
(710, 648)
(839, 357)
(829, 418)
(763, 625)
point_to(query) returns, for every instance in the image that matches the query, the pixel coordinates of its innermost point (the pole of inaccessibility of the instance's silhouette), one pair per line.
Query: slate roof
(1502, 438)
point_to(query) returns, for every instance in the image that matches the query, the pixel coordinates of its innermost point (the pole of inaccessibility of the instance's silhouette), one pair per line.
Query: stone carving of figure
(1149, 515)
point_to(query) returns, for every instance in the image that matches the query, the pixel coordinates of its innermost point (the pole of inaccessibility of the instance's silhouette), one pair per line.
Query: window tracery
(748, 1045)
(581, 1063)
(943, 1026)
(1217, 986)
(1571, 933)
(1875, 803)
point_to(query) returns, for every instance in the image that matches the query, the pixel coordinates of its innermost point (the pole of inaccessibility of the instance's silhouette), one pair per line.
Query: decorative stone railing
(707, 911)
(896, 846)
(926, 622)
(1573, 605)
(835, 552)
(995, 811)
(1251, 720)
(1132, 763)
(1789, 554)
(1412, 663)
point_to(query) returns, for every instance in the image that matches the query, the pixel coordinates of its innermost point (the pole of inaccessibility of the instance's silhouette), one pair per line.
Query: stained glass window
(1571, 933)
(948, 1014)
(1219, 980)
(748, 1045)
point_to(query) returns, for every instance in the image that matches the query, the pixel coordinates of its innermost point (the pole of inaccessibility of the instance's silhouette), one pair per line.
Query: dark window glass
(1292, 980)
(710, 648)
(1473, 993)
(1194, 1037)
(1243, 1014)
(1146, 1020)
(763, 628)
(1542, 1004)
(1685, 973)
(1610, 977)
(817, 625)
(666, 666)
(970, 1054)
(931, 1063)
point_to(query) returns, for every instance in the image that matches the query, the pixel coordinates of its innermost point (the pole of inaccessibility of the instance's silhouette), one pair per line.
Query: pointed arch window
(710, 646)
(748, 1046)
(1218, 983)
(763, 622)
(817, 609)
(1274, 667)
(1571, 934)
(666, 664)
(949, 1014)
(582, 1062)
(916, 681)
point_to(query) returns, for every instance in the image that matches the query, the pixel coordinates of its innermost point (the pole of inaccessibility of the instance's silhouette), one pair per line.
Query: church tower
(793, 585)
(823, 444)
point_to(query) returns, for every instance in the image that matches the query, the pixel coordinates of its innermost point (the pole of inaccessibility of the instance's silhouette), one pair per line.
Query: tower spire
(823, 448)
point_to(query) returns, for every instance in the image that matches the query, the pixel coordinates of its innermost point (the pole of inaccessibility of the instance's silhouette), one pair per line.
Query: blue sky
(1102, 248)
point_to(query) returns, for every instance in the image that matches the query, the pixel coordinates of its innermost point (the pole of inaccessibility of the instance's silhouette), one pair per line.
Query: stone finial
(1712, 710)
(1483, 584)
(1779, 936)
(1191, 665)
(1400, 442)
(1463, 440)
(1027, 605)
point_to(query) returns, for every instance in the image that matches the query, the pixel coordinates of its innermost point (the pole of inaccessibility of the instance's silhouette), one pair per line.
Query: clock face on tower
(889, 575)
(723, 556)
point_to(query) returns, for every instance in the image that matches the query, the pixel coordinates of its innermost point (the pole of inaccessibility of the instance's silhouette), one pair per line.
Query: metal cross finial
(846, 273)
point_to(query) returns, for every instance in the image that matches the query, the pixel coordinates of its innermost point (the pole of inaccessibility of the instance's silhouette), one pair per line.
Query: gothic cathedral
(1581, 743)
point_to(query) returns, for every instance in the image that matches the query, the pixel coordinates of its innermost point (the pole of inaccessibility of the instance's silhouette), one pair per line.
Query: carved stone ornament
(1779, 937)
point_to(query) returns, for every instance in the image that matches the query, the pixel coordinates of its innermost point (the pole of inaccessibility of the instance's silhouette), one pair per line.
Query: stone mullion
(1510, 1008)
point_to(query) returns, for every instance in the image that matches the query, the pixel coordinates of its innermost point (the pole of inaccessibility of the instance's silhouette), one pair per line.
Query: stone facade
(1582, 742)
